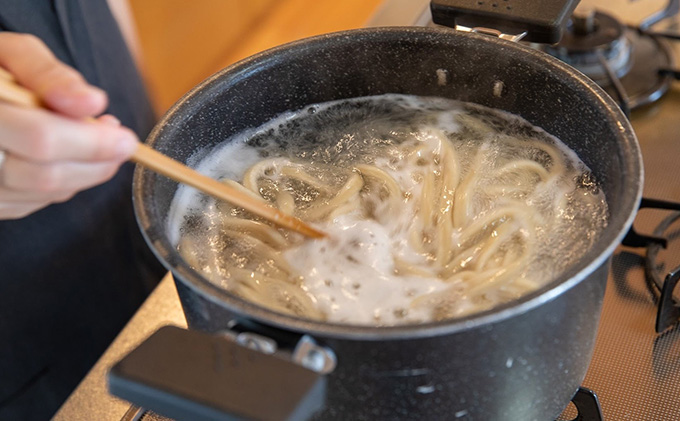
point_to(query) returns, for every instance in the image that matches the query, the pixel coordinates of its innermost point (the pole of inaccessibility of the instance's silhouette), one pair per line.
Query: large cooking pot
(523, 360)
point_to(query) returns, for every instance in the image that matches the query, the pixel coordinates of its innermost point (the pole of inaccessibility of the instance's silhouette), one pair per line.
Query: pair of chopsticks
(12, 92)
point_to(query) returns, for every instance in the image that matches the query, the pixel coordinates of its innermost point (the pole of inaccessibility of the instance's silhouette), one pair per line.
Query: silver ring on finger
(3, 155)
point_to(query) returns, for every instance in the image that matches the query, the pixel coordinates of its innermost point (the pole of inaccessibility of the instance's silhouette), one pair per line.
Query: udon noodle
(435, 209)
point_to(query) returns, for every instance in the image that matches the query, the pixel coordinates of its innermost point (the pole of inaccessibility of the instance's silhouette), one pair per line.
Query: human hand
(50, 156)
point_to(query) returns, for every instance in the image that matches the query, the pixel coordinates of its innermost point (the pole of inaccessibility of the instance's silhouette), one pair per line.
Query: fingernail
(126, 145)
(110, 120)
(88, 93)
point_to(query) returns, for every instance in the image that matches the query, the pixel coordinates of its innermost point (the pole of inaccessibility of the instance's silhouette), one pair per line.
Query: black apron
(72, 274)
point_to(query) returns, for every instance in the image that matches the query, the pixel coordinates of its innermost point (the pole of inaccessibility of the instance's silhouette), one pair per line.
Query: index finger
(42, 136)
(62, 88)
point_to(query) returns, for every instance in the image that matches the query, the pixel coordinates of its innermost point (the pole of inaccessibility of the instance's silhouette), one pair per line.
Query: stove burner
(624, 61)
(590, 35)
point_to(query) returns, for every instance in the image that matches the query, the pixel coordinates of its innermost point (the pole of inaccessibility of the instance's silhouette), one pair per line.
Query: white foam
(351, 277)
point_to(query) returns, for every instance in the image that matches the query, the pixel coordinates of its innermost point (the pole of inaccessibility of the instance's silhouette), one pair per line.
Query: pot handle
(191, 375)
(540, 22)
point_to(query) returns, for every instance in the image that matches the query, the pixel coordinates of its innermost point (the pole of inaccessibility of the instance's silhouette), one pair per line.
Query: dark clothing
(72, 274)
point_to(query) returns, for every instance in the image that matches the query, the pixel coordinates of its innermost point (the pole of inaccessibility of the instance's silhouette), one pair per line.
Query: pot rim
(171, 259)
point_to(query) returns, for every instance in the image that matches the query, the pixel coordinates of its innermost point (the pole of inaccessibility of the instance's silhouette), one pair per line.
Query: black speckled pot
(521, 361)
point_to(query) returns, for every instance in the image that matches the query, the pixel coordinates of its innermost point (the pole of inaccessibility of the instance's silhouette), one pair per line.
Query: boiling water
(392, 258)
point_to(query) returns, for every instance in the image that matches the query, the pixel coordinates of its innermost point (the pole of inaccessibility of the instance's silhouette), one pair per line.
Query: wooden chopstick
(168, 167)
(16, 94)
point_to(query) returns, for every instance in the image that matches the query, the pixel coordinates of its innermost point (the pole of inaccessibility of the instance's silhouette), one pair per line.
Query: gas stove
(629, 48)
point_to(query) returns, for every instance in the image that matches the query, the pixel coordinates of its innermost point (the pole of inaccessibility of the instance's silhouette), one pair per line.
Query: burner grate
(662, 288)
(668, 313)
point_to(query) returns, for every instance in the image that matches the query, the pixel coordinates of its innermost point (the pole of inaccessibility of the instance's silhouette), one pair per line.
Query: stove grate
(668, 313)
